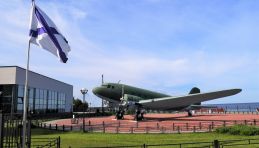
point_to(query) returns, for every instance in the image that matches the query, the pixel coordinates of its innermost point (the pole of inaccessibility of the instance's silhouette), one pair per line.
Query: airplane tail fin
(195, 90)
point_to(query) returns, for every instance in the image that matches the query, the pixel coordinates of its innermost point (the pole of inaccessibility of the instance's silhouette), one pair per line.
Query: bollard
(89, 123)
(84, 125)
(63, 127)
(254, 122)
(157, 125)
(245, 122)
(56, 127)
(173, 126)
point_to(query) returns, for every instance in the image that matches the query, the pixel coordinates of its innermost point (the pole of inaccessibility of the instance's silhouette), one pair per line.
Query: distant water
(242, 107)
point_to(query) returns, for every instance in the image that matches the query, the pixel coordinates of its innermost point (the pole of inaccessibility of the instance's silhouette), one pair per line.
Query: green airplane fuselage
(113, 92)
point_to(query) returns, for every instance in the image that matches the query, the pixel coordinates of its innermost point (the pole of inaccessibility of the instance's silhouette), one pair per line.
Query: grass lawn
(79, 139)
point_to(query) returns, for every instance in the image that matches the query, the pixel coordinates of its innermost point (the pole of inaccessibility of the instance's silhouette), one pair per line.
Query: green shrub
(239, 130)
(235, 130)
(222, 130)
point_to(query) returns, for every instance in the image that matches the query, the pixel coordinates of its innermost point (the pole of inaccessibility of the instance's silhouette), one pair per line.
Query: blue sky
(163, 45)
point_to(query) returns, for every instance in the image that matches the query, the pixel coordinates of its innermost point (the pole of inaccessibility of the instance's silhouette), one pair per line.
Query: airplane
(125, 97)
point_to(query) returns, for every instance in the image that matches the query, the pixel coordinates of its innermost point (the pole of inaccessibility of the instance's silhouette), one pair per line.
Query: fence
(141, 127)
(45, 142)
(208, 144)
(11, 134)
(11, 131)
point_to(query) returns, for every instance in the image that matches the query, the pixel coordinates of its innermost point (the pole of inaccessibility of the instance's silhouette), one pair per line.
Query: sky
(167, 46)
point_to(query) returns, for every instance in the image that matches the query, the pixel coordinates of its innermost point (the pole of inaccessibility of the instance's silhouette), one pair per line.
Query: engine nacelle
(132, 98)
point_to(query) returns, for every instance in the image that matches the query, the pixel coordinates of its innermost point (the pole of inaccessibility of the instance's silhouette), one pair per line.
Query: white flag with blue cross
(44, 33)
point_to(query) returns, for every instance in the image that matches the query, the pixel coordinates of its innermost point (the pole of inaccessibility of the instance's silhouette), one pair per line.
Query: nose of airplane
(96, 90)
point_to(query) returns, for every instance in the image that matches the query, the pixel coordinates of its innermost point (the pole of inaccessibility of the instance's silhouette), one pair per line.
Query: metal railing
(208, 144)
(11, 134)
(140, 127)
(45, 142)
(11, 131)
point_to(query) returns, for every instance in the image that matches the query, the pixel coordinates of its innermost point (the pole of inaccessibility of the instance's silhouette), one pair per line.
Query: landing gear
(120, 114)
(139, 115)
(189, 113)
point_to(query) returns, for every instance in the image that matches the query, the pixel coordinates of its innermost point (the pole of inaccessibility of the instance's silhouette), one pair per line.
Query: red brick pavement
(164, 120)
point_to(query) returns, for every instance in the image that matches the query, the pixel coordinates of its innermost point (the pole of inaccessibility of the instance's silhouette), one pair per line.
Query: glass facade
(6, 98)
(40, 100)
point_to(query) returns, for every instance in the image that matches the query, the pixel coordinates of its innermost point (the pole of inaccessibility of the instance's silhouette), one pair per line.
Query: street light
(84, 91)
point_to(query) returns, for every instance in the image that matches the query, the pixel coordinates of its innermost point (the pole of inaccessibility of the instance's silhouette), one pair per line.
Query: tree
(79, 106)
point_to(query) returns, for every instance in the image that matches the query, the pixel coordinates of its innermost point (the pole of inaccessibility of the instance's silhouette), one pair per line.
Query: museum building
(45, 95)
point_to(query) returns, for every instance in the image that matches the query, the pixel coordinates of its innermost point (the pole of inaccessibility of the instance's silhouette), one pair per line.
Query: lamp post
(84, 91)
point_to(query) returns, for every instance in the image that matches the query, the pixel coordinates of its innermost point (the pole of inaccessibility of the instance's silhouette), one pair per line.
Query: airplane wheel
(119, 115)
(139, 116)
(189, 113)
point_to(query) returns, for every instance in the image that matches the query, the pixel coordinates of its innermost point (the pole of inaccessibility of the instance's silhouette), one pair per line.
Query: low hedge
(239, 130)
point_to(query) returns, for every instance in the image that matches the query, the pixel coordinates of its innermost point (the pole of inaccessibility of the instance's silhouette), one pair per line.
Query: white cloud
(77, 14)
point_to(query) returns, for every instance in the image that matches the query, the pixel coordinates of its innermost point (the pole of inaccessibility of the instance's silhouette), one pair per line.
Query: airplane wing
(168, 103)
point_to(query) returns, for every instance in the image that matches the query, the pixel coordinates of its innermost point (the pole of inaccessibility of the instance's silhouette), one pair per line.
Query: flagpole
(25, 99)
